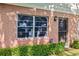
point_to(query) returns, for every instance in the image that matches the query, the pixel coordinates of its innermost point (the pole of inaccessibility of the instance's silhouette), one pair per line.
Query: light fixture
(55, 18)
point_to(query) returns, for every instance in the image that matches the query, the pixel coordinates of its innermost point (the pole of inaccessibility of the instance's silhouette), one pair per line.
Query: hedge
(59, 48)
(21, 51)
(40, 50)
(5, 52)
(35, 50)
(75, 44)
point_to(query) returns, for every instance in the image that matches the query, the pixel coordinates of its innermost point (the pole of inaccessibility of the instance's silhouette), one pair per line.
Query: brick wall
(8, 30)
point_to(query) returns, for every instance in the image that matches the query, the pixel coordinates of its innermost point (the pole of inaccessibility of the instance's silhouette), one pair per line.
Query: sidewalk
(71, 52)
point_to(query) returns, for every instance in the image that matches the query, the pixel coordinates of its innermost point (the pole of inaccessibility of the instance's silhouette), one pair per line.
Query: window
(40, 26)
(31, 26)
(25, 26)
(63, 24)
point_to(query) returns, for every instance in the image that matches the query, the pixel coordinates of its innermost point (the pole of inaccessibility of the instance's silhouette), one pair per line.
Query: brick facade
(8, 27)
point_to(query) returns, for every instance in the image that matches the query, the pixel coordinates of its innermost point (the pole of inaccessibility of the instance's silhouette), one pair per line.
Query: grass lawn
(71, 52)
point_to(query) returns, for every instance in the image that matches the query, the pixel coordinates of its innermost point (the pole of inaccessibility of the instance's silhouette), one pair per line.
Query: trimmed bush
(56, 48)
(52, 48)
(5, 52)
(15, 51)
(24, 50)
(21, 51)
(35, 50)
(75, 44)
(59, 48)
(40, 50)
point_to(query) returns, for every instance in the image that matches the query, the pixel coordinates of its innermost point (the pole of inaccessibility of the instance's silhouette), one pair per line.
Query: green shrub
(35, 50)
(40, 50)
(52, 48)
(75, 44)
(44, 50)
(25, 50)
(5, 52)
(56, 48)
(15, 51)
(59, 48)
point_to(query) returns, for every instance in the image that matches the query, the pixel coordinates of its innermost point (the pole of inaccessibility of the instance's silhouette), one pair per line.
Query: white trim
(33, 30)
(33, 26)
(65, 12)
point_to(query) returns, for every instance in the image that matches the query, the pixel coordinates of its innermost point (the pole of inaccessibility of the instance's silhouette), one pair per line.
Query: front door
(62, 29)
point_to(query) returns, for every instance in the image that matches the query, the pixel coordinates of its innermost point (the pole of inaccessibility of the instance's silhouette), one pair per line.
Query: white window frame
(33, 27)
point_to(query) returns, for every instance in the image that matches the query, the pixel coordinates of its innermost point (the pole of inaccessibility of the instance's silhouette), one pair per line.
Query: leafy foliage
(35, 50)
(76, 44)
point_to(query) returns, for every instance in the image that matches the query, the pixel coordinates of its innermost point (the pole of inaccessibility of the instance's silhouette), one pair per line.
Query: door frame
(66, 30)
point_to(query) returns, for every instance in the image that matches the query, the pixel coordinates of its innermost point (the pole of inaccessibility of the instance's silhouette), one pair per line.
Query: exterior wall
(8, 27)
(72, 25)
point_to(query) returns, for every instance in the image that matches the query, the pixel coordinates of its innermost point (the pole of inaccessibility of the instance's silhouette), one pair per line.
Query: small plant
(56, 48)
(52, 48)
(75, 44)
(59, 48)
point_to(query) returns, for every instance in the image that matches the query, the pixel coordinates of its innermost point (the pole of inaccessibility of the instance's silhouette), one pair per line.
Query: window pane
(29, 31)
(21, 32)
(24, 23)
(44, 28)
(25, 32)
(25, 17)
(40, 31)
(40, 23)
(40, 26)
(63, 24)
(40, 34)
(25, 26)
(39, 18)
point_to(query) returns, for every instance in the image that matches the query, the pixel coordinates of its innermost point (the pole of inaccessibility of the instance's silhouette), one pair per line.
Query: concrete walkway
(71, 52)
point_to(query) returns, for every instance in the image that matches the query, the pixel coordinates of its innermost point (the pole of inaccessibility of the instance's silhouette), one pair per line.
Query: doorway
(62, 29)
